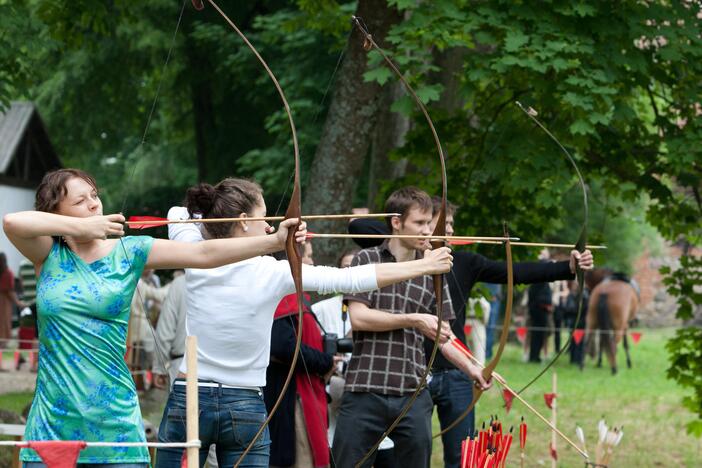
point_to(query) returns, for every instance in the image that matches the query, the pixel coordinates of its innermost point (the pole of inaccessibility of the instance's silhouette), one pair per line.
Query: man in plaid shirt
(388, 360)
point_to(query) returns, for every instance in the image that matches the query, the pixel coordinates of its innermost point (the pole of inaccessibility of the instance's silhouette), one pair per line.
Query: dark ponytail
(228, 199)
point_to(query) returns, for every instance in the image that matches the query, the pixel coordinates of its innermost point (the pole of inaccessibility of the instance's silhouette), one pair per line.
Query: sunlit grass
(641, 399)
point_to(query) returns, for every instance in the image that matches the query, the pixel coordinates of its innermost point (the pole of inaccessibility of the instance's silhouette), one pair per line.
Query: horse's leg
(599, 348)
(626, 350)
(612, 352)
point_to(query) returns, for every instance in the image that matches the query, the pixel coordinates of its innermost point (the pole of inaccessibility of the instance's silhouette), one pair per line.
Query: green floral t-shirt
(84, 389)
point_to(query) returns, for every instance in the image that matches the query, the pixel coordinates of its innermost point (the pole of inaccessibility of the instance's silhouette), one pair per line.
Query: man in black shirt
(450, 390)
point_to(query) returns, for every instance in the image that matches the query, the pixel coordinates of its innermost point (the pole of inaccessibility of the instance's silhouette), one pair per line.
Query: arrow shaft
(405, 236)
(259, 218)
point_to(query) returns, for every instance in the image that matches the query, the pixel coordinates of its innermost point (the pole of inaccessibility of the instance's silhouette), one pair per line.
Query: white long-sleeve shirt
(230, 309)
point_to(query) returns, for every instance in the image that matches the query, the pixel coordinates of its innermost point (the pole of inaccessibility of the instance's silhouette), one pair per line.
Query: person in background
(8, 298)
(140, 337)
(540, 306)
(170, 333)
(495, 306)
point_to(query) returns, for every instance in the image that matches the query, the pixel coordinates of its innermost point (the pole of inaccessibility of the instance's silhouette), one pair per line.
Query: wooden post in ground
(191, 401)
(554, 462)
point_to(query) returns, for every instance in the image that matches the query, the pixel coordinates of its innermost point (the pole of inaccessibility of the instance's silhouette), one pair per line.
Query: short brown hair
(52, 189)
(228, 199)
(436, 206)
(403, 200)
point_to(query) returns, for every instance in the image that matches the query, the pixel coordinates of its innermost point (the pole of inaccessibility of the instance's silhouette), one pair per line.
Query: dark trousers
(452, 392)
(363, 417)
(539, 320)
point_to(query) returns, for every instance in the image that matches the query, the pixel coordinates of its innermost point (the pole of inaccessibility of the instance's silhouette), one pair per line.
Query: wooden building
(26, 154)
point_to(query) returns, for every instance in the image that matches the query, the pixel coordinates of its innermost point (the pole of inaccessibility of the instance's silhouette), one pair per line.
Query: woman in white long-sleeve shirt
(230, 309)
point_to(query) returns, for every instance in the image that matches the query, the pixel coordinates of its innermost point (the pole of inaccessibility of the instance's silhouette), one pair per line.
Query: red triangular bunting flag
(636, 337)
(548, 398)
(521, 334)
(578, 335)
(467, 329)
(184, 459)
(58, 453)
(508, 397)
(554, 454)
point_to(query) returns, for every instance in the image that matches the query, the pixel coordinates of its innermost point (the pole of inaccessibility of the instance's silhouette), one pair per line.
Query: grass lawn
(641, 399)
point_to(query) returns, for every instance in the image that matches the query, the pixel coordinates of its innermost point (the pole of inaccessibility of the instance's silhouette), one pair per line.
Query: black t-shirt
(470, 268)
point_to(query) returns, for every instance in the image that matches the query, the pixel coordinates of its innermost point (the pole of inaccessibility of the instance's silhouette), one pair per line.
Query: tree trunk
(450, 64)
(390, 132)
(347, 131)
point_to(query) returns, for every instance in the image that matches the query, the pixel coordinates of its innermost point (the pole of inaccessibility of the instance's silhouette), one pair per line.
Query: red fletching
(578, 335)
(461, 242)
(138, 224)
(508, 396)
(522, 434)
(554, 454)
(548, 398)
(521, 334)
(460, 345)
(636, 337)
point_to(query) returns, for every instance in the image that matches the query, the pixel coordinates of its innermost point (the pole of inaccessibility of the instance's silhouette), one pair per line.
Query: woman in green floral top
(86, 281)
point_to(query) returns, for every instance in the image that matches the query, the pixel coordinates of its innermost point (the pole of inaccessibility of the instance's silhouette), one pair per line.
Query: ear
(396, 223)
(243, 224)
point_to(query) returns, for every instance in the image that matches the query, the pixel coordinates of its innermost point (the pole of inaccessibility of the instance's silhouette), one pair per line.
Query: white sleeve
(188, 232)
(330, 280)
(322, 279)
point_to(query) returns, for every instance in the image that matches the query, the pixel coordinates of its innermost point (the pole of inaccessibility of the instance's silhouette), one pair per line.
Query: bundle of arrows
(607, 440)
(487, 448)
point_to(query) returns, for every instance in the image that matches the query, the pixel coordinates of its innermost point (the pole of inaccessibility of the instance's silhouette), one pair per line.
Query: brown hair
(404, 199)
(436, 206)
(52, 189)
(228, 199)
(345, 254)
(3, 262)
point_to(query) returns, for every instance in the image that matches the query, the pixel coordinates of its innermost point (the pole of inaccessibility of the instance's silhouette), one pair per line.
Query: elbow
(9, 223)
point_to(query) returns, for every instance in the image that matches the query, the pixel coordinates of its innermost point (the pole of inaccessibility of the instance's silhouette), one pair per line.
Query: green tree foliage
(618, 82)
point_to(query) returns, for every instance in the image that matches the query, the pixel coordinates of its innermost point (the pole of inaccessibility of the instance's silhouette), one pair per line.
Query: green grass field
(641, 399)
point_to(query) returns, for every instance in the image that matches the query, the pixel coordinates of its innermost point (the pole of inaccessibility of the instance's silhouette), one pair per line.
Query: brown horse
(612, 306)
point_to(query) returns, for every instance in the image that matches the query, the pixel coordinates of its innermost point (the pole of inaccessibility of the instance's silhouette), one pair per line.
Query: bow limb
(439, 230)
(293, 211)
(490, 367)
(580, 244)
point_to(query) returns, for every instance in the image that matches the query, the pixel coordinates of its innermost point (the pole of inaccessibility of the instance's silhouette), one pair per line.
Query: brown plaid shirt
(392, 362)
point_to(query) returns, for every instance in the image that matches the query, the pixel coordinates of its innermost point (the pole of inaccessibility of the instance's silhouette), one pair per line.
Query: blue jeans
(452, 392)
(495, 305)
(92, 465)
(229, 418)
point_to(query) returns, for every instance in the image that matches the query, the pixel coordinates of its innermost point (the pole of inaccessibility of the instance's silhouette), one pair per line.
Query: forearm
(32, 224)
(364, 318)
(392, 272)
(458, 359)
(209, 254)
